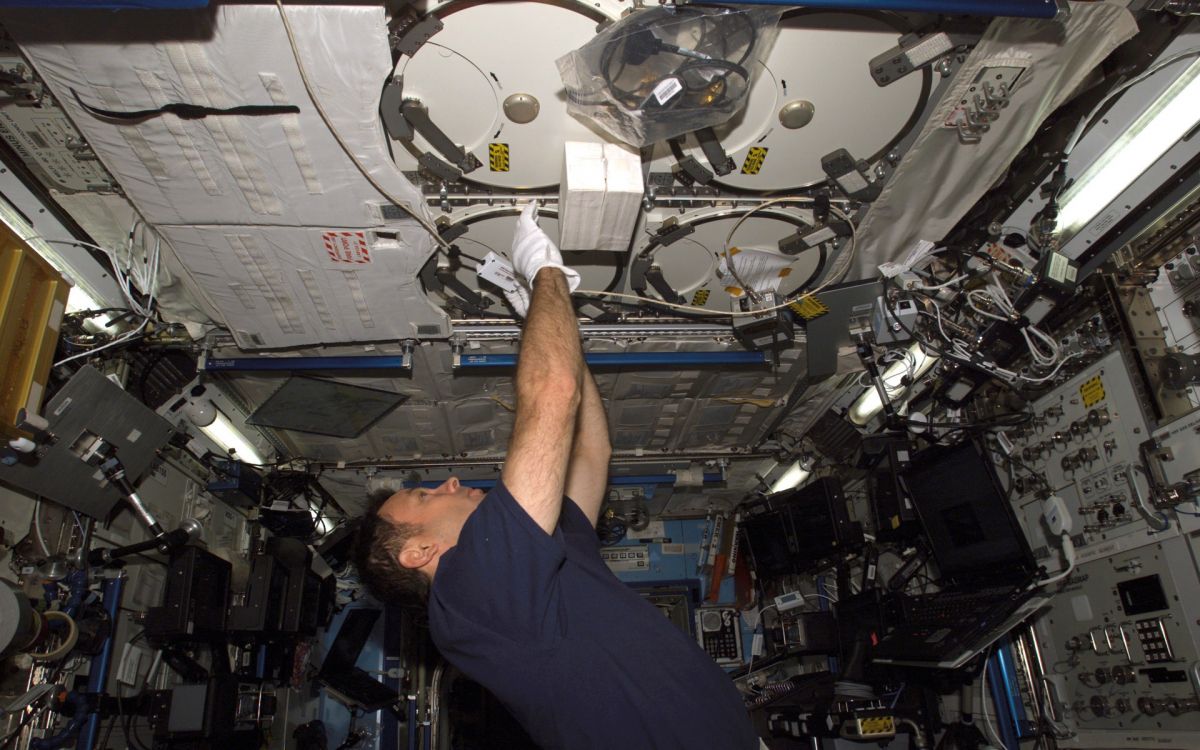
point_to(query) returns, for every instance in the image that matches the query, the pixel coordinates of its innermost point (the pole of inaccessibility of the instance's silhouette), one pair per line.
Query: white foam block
(581, 196)
(599, 197)
(622, 197)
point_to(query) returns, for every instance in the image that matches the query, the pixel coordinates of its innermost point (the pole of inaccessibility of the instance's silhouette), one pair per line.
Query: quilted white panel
(274, 169)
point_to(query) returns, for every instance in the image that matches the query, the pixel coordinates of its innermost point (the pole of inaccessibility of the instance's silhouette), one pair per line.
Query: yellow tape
(498, 157)
(809, 307)
(754, 160)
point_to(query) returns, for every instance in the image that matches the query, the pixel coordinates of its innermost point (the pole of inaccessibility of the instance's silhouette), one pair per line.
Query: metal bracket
(671, 232)
(438, 168)
(721, 163)
(390, 102)
(416, 35)
(913, 53)
(417, 115)
(689, 171)
(665, 290)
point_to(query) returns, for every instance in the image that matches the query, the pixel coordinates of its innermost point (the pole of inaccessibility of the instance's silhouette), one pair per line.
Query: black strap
(188, 111)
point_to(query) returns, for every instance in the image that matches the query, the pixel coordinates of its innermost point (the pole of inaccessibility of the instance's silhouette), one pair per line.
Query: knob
(1098, 418)
(1124, 675)
(1150, 706)
(1099, 705)
(1121, 706)
(1100, 675)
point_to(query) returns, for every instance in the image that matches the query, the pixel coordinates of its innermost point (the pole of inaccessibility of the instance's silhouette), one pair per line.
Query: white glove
(532, 250)
(518, 299)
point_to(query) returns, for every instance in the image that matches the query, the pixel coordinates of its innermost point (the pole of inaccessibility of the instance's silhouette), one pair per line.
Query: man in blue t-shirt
(519, 599)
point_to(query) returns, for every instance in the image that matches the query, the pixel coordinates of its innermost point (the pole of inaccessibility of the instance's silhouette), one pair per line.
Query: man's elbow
(557, 386)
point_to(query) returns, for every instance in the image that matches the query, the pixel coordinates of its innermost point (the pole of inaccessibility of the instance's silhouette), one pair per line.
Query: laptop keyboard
(952, 608)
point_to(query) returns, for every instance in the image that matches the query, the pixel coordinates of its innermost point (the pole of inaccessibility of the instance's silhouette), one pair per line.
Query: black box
(803, 531)
(195, 597)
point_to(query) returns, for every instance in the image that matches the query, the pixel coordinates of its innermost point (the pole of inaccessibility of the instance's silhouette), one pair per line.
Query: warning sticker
(1092, 392)
(498, 157)
(754, 160)
(347, 247)
(809, 307)
(700, 297)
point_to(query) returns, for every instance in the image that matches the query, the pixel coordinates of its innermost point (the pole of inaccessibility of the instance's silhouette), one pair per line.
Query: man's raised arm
(587, 473)
(549, 378)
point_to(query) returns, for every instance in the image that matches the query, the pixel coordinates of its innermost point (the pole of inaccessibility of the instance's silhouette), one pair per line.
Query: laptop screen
(972, 530)
(349, 642)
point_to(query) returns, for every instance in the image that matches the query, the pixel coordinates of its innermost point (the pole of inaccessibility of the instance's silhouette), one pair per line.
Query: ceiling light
(222, 432)
(898, 376)
(1160, 127)
(793, 477)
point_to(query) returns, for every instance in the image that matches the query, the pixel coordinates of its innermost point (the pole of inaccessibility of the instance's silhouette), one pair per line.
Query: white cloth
(532, 250)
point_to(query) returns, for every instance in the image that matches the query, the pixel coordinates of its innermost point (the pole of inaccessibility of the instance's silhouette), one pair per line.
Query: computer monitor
(968, 520)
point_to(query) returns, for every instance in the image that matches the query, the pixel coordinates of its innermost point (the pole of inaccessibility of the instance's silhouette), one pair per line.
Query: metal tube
(631, 359)
(630, 479)
(98, 672)
(252, 364)
(1018, 8)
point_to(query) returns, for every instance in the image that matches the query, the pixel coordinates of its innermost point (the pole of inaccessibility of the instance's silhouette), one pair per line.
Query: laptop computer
(987, 568)
(339, 674)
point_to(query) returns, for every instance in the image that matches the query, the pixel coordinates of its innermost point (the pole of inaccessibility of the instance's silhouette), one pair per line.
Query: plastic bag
(668, 70)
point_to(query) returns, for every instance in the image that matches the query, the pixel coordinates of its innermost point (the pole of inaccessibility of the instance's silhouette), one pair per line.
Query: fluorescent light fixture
(793, 477)
(869, 404)
(1160, 127)
(223, 433)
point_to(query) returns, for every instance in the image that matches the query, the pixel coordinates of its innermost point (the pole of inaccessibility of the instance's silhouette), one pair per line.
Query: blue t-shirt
(577, 656)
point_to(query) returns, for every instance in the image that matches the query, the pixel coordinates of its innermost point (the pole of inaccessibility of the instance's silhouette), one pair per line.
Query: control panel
(629, 559)
(719, 633)
(1082, 445)
(1119, 650)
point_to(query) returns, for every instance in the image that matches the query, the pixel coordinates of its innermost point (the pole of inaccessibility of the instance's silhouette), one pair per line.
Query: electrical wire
(759, 627)
(1068, 548)
(983, 699)
(312, 95)
(833, 278)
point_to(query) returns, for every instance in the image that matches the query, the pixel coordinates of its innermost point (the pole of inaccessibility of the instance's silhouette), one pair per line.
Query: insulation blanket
(266, 177)
(940, 178)
(291, 286)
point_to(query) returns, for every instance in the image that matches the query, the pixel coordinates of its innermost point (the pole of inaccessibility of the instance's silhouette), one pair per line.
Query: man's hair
(377, 556)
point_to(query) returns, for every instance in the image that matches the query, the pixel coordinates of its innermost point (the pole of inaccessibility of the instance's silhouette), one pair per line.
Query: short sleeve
(503, 575)
(577, 529)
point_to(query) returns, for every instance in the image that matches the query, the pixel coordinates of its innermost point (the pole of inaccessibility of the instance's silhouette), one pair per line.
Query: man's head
(403, 535)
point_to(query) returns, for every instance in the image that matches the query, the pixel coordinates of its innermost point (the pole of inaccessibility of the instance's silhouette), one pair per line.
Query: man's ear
(417, 553)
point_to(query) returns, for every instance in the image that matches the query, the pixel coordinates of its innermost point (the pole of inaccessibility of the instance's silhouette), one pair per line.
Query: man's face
(440, 512)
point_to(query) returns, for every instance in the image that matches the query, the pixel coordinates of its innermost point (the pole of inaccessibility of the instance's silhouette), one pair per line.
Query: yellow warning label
(809, 307)
(754, 160)
(498, 157)
(1092, 391)
(699, 298)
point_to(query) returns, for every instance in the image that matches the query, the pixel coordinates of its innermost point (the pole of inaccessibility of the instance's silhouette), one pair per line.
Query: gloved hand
(518, 299)
(532, 250)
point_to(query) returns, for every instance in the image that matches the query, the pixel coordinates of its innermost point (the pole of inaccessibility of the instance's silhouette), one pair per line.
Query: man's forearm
(549, 374)
(550, 346)
(587, 475)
